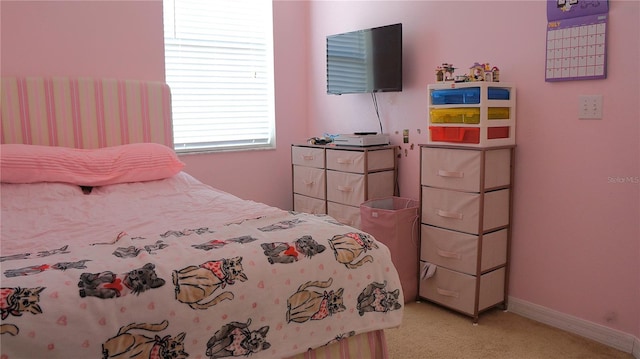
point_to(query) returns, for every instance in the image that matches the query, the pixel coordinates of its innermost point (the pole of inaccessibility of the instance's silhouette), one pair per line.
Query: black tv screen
(368, 60)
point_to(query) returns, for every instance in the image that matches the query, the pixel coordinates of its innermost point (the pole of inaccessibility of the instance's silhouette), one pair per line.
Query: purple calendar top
(577, 21)
(566, 9)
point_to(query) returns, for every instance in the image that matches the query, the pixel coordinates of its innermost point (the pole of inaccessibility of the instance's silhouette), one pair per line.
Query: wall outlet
(590, 107)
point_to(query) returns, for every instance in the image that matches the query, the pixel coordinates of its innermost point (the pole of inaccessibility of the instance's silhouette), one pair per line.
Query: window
(219, 65)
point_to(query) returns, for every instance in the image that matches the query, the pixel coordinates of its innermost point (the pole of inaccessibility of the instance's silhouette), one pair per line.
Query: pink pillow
(87, 167)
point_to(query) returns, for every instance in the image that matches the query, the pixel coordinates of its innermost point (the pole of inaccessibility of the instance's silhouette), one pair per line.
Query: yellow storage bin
(455, 115)
(498, 113)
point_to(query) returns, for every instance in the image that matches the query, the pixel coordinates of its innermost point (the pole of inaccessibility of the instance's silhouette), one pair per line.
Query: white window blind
(219, 65)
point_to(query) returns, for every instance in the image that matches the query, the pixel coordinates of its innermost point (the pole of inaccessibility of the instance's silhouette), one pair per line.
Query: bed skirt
(371, 345)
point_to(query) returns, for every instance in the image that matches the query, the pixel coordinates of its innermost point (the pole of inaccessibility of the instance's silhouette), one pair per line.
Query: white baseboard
(611, 337)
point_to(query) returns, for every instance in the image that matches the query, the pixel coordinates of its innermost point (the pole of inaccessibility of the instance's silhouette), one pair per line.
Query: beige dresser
(466, 225)
(335, 180)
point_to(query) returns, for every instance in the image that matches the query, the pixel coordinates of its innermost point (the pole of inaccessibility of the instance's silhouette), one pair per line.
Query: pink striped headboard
(84, 112)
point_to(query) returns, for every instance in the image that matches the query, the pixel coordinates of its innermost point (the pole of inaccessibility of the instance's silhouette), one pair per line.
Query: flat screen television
(368, 60)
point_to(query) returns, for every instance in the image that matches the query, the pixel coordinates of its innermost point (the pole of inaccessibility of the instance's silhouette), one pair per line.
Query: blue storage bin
(469, 95)
(497, 93)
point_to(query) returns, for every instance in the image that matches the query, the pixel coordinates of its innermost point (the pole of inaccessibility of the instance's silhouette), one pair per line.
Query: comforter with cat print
(175, 269)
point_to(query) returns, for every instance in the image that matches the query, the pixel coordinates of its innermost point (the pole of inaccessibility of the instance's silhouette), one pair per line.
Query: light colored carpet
(430, 331)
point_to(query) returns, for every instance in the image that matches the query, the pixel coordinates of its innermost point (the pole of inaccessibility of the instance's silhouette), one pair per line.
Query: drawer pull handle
(447, 214)
(345, 189)
(447, 293)
(344, 161)
(450, 174)
(308, 182)
(448, 254)
(308, 157)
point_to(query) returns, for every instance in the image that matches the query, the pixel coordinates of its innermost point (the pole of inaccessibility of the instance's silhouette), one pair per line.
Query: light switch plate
(590, 107)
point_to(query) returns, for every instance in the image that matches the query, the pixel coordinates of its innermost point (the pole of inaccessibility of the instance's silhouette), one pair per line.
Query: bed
(109, 249)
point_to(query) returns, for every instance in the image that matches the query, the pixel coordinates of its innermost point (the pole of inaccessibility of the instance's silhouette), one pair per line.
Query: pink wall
(576, 242)
(576, 239)
(124, 39)
(82, 38)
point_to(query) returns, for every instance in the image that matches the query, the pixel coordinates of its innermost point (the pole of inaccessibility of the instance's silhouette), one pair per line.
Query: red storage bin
(498, 132)
(455, 134)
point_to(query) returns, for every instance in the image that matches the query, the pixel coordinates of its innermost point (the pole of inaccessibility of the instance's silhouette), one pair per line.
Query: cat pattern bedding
(173, 268)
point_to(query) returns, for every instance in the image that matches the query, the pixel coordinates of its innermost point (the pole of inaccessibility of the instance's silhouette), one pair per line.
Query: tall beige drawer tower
(466, 196)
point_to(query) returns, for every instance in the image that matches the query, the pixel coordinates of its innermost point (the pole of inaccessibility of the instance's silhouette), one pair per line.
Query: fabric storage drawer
(308, 204)
(349, 188)
(309, 181)
(457, 290)
(459, 251)
(354, 161)
(307, 156)
(460, 211)
(460, 169)
(344, 214)
(455, 115)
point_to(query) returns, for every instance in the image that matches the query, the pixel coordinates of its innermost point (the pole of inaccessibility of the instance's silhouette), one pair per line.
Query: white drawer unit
(472, 114)
(466, 196)
(336, 180)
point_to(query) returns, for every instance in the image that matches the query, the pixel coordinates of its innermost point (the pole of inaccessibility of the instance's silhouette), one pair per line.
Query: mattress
(175, 268)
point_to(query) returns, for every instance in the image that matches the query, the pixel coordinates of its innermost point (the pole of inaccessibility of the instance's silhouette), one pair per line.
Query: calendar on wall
(576, 40)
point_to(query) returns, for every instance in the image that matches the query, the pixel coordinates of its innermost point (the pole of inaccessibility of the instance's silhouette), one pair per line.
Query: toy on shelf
(462, 78)
(495, 74)
(445, 72)
(477, 72)
(484, 72)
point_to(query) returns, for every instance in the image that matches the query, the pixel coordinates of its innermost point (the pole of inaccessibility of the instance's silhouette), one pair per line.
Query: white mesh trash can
(394, 222)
